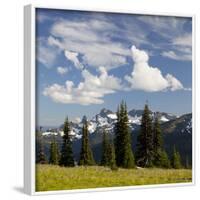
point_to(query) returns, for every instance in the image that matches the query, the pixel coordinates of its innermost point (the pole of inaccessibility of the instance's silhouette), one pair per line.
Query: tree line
(116, 152)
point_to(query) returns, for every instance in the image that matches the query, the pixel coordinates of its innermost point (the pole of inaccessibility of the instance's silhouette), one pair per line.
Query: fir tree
(112, 163)
(66, 151)
(144, 152)
(124, 154)
(86, 155)
(54, 152)
(164, 160)
(40, 155)
(176, 159)
(105, 158)
(158, 150)
(118, 139)
(129, 160)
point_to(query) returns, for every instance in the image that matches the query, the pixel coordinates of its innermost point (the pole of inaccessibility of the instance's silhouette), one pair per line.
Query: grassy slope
(59, 178)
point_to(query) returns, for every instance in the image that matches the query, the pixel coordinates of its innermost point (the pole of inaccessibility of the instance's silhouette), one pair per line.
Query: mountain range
(177, 131)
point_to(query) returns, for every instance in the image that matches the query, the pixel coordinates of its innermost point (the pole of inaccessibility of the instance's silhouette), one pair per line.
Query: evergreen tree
(176, 159)
(158, 150)
(86, 155)
(129, 160)
(164, 160)
(144, 152)
(105, 158)
(124, 154)
(54, 152)
(40, 155)
(118, 139)
(112, 163)
(66, 151)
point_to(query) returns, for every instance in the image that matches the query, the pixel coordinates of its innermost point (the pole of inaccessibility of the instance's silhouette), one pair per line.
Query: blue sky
(87, 61)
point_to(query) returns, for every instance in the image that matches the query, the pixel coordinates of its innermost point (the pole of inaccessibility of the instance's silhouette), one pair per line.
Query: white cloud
(90, 91)
(185, 40)
(76, 120)
(173, 83)
(73, 57)
(62, 70)
(182, 48)
(147, 78)
(46, 54)
(168, 27)
(42, 18)
(92, 40)
(177, 55)
(178, 41)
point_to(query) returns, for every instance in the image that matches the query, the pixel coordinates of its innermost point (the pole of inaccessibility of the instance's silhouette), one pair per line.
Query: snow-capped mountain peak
(106, 119)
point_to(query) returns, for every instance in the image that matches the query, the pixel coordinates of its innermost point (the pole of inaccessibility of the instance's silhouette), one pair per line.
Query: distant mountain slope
(106, 119)
(176, 130)
(179, 133)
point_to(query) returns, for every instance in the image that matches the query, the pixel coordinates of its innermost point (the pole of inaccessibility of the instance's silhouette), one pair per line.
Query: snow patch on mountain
(135, 120)
(164, 119)
(188, 128)
(92, 127)
(49, 133)
(106, 119)
(112, 116)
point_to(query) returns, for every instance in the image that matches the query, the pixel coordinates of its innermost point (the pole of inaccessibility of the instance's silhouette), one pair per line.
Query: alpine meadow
(113, 100)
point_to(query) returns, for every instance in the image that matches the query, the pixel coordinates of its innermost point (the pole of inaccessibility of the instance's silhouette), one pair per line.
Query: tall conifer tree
(106, 151)
(86, 155)
(144, 153)
(124, 154)
(160, 156)
(66, 159)
(164, 160)
(54, 152)
(118, 139)
(112, 163)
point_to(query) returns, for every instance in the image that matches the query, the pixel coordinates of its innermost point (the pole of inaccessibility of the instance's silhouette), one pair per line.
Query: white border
(29, 101)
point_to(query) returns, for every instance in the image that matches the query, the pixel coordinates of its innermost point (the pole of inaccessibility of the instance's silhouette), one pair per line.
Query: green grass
(49, 177)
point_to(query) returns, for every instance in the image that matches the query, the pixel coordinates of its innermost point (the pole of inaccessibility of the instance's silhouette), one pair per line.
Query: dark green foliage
(144, 152)
(160, 156)
(108, 152)
(40, 155)
(183, 142)
(164, 160)
(66, 151)
(105, 158)
(86, 155)
(124, 154)
(54, 153)
(113, 165)
(176, 160)
(118, 139)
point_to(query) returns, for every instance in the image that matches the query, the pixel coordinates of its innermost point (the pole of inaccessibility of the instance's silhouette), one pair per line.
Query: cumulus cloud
(62, 70)
(148, 78)
(90, 91)
(73, 57)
